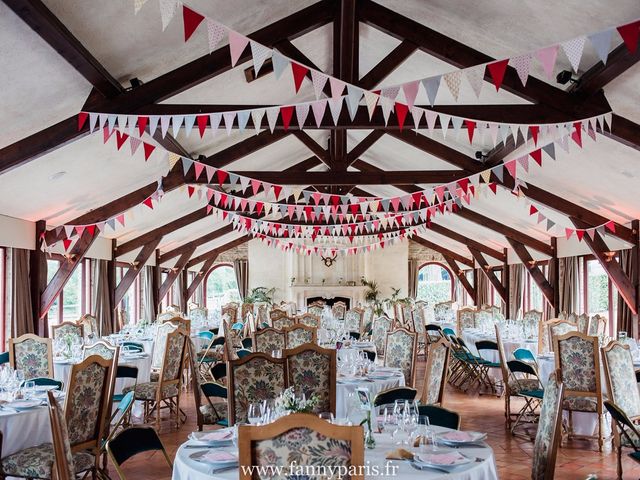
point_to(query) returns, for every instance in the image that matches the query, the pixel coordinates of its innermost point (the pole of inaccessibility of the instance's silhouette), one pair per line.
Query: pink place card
(219, 457)
(450, 458)
(217, 435)
(458, 436)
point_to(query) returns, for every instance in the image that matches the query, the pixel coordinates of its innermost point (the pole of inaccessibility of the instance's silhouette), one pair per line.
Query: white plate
(44, 388)
(472, 437)
(199, 438)
(201, 457)
(24, 404)
(431, 459)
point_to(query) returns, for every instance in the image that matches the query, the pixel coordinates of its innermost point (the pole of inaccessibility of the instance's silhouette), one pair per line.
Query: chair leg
(619, 455)
(600, 433)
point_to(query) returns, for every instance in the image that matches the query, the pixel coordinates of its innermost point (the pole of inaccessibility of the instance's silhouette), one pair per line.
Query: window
(220, 287)
(600, 294)
(532, 298)
(435, 283)
(3, 297)
(75, 298)
(131, 303)
(495, 298)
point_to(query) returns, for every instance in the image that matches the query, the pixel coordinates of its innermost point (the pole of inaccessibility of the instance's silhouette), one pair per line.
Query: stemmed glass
(255, 413)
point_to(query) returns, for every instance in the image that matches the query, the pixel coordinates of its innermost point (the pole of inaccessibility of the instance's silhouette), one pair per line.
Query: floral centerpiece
(287, 403)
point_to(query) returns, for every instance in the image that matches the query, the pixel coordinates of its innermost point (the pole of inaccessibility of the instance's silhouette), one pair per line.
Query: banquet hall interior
(319, 239)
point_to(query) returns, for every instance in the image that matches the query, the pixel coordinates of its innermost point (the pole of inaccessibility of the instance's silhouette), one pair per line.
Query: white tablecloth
(184, 468)
(24, 429)
(343, 407)
(62, 370)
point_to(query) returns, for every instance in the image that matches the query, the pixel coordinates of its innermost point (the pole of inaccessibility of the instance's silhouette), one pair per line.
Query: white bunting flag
(431, 86)
(167, 11)
(318, 108)
(215, 33)
(302, 110)
(259, 53)
(319, 80)
(601, 43)
(272, 117)
(573, 50)
(453, 80)
(371, 100)
(335, 105)
(176, 124)
(475, 77)
(280, 63)
(522, 64)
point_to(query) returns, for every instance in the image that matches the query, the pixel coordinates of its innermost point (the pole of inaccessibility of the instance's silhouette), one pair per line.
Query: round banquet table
(584, 423)
(348, 407)
(24, 429)
(185, 468)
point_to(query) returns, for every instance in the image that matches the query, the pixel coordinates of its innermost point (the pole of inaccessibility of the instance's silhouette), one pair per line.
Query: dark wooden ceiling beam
(624, 131)
(356, 178)
(314, 146)
(387, 65)
(462, 277)
(365, 144)
(490, 274)
(174, 272)
(165, 86)
(42, 20)
(621, 280)
(138, 265)
(600, 75)
(529, 263)
(440, 249)
(304, 165)
(482, 247)
(199, 278)
(217, 251)
(196, 242)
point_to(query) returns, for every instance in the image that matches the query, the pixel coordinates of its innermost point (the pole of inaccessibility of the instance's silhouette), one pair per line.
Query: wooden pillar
(554, 277)
(111, 282)
(476, 287)
(506, 280)
(635, 275)
(184, 288)
(156, 285)
(38, 280)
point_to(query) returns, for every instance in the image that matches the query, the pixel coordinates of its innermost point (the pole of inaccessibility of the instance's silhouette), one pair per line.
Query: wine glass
(410, 425)
(29, 388)
(384, 419)
(255, 413)
(327, 416)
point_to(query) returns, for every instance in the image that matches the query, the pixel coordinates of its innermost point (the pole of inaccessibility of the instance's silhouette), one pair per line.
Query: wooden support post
(458, 272)
(184, 280)
(200, 276)
(554, 276)
(136, 268)
(476, 287)
(536, 274)
(111, 280)
(65, 271)
(506, 280)
(635, 275)
(174, 272)
(157, 277)
(490, 274)
(38, 280)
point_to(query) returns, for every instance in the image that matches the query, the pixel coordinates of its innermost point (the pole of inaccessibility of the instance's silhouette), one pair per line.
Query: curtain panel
(413, 278)
(178, 297)
(569, 284)
(625, 317)
(516, 283)
(102, 308)
(21, 312)
(241, 269)
(483, 292)
(148, 308)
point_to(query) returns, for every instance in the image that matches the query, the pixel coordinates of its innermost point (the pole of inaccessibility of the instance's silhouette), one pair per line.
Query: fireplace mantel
(300, 293)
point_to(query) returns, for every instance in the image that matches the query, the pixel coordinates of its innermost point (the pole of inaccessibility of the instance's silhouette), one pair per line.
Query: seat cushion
(147, 391)
(36, 462)
(213, 414)
(580, 404)
(517, 386)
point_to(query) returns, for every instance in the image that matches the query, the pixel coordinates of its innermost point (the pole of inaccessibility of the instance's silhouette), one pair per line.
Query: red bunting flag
(534, 130)
(148, 202)
(463, 184)
(82, 119)
(190, 190)
(580, 234)
(191, 21)
(494, 187)
(299, 72)
(142, 124)
(67, 243)
(120, 139)
(576, 135)
(222, 176)
(202, 124)
(537, 156)
(611, 226)
(276, 191)
(91, 229)
(287, 113)
(497, 70)
(148, 150)
(401, 112)
(532, 210)
(630, 34)
(471, 126)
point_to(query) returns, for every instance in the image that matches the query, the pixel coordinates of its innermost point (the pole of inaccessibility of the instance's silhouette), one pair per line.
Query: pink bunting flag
(547, 58)
(511, 167)
(411, 92)
(568, 232)
(237, 44)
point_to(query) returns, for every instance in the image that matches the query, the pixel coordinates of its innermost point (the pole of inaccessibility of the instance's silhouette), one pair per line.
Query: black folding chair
(132, 441)
(440, 416)
(387, 397)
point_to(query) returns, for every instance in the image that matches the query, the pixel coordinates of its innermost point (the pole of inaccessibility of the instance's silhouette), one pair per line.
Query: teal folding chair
(4, 358)
(124, 371)
(133, 347)
(525, 356)
(46, 382)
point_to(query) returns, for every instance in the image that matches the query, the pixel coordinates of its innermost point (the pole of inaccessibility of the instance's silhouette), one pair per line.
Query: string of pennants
(568, 232)
(547, 57)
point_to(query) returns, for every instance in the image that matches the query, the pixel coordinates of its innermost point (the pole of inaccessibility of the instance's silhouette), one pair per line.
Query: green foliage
(260, 295)
(372, 295)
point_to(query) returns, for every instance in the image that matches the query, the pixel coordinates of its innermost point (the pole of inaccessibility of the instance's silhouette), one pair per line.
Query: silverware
(202, 447)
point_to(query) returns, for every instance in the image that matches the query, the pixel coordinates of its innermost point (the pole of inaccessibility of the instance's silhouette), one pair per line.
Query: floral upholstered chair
(466, 319)
(163, 330)
(401, 351)
(531, 321)
(166, 315)
(312, 370)
(443, 312)
(578, 359)
(277, 313)
(435, 375)
(198, 315)
(283, 322)
(623, 392)
(230, 310)
(247, 308)
(583, 323)
(67, 328)
(353, 320)
(86, 409)
(548, 435)
(31, 354)
(381, 326)
(597, 325)
(180, 322)
(64, 462)
(339, 310)
(90, 325)
(102, 348)
(254, 378)
(300, 439)
(299, 335)
(269, 339)
(165, 392)
(558, 328)
(309, 319)
(316, 308)
(419, 324)
(367, 320)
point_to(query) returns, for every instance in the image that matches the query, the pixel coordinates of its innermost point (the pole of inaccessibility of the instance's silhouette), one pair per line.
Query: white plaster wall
(268, 268)
(389, 268)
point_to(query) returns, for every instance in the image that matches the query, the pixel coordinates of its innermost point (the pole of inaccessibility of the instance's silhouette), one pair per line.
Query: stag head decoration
(329, 261)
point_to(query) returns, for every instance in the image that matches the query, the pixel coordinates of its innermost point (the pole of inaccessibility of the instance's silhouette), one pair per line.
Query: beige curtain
(148, 308)
(102, 308)
(624, 313)
(516, 282)
(569, 286)
(413, 278)
(199, 295)
(177, 298)
(241, 269)
(21, 313)
(484, 293)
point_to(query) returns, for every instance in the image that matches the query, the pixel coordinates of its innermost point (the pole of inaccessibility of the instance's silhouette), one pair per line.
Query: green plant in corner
(260, 295)
(372, 295)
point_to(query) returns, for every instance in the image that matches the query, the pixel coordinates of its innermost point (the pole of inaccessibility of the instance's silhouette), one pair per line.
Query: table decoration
(287, 402)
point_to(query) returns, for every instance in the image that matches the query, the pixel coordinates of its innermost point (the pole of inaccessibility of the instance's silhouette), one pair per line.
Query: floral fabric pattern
(37, 462)
(443, 312)
(624, 389)
(254, 381)
(517, 385)
(310, 373)
(160, 341)
(561, 329)
(86, 399)
(339, 310)
(99, 349)
(32, 357)
(298, 336)
(419, 322)
(484, 319)
(211, 414)
(67, 329)
(580, 404)
(583, 323)
(269, 340)
(64, 432)
(381, 326)
(309, 320)
(231, 311)
(400, 353)
(283, 322)
(148, 391)
(435, 374)
(577, 362)
(315, 310)
(546, 428)
(303, 446)
(466, 319)
(173, 357)
(353, 320)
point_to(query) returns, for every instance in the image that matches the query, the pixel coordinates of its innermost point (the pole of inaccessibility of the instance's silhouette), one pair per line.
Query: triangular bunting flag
(630, 34)
(299, 72)
(601, 43)
(475, 77)
(497, 71)
(319, 80)
(237, 44)
(191, 20)
(522, 64)
(431, 86)
(167, 11)
(148, 150)
(547, 58)
(287, 113)
(453, 81)
(280, 63)
(411, 92)
(259, 53)
(573, 50)
(215, 33)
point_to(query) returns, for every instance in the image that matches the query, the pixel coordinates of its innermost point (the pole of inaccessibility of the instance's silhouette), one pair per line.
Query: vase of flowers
(369, 440)
(287, 402)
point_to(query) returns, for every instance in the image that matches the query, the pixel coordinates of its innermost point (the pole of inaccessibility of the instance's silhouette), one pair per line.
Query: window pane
(221, 288)
(434, 284)
(71, 296)
(598, 287)
(535, 295)
(52, 268)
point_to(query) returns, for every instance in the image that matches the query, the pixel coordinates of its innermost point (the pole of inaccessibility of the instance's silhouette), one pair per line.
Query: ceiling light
(565, 77)
(57, 175)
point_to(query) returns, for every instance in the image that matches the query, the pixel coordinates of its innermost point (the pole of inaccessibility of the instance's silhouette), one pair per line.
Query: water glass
(327, 416)
(255, 413)
(28, 388)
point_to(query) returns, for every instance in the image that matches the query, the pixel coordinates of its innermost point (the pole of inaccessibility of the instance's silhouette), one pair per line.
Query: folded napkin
(217, 435)
(448, 458)
(219, 456)
(399, 454)
(458, 436)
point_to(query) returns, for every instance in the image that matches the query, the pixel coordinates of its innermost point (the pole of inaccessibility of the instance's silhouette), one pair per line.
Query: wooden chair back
(307, 362)
(31, 354)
